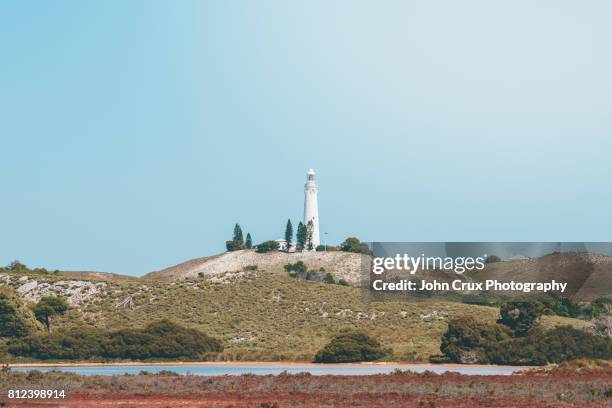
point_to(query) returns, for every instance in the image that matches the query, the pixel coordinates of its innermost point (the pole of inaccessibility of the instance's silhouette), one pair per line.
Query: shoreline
(255, 363)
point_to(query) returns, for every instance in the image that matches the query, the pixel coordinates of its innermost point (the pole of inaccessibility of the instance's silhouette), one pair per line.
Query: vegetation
(19, 268)
(301, 236)
(249, 241)
(162, 339)
(237, 241)
(353, 244)
(326, 248)
(492, 259)
(518, 339)
(14, 318)
(48, 307)
(267, 246)
(520, 317)
(289, 234)
(309, 231)
(351, 346)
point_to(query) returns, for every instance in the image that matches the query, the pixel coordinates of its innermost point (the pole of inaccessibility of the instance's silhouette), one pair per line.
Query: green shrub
(520, 317)
(233, 245)
(353, 244)
(342, 282)
(13, 316)
(162, 339)
(351, 346)
(295, 270)
(326, 248)
(469, 341)
(267, 246)
(329, 278)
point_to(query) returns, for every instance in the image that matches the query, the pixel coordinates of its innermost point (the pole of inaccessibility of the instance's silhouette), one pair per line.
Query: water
(276, 368)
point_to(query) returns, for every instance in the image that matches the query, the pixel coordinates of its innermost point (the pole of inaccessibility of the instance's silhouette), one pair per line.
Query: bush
(233, 245)
(13, 317)
(296, 270)
(342, 282)
(329, 278)
(353, 244)
(77, 343)
(351, 346)
(467, 341)
(267, 246)
(520, 317)
(162, 339)
(325, 248)
(492, 259)
(48, 307)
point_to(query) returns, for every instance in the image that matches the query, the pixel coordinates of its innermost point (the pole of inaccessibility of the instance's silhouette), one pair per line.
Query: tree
(249, 241)
(267, 246)
(329, 278)
(12, 323)
(238, 234)
(289, 234)
(49, 306)
(492, 259)
(301, 236)
(351, 346)
(520, 317)
(353, 244)
(309, 229)
(233, 245)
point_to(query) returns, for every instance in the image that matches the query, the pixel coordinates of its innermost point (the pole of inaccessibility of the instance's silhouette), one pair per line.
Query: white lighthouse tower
(311, 208)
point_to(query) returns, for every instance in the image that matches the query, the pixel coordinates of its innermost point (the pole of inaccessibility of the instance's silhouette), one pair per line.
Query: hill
(257, 314)
(343, 265)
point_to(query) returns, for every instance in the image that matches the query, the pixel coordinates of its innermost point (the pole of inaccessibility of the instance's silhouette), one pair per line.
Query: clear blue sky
(134, 134)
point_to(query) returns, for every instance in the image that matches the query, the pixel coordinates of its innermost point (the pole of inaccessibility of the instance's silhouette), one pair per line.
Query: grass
(267, 315)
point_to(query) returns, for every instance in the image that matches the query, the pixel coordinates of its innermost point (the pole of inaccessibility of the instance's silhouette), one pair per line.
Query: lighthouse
(311, 208)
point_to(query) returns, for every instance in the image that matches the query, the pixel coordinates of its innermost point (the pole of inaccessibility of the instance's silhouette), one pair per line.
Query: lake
(210, 369)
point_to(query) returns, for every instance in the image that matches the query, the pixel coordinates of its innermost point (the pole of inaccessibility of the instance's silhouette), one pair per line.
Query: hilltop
(343, 265)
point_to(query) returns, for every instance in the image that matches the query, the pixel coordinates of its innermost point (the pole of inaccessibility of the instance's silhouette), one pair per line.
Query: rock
(27, 287)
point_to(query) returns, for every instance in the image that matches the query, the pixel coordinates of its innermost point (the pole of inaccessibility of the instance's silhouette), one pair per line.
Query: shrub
(78, 343)
(342, 282)
(233, 245)
(350, 346)
(13, 319)
(520, 317)
(325, 248)
(329, 278)
(267, 246)
(353, 244)
(469, 341)
(162, 339)
(49, 306)
(492, 259)
(295, 270)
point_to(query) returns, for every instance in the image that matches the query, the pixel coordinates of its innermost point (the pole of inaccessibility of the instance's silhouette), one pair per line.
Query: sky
(135, 134)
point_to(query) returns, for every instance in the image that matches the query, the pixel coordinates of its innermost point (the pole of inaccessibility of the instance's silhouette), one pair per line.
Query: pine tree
(301, 236)
(249, 241)
(309, 230)
(289, 234)
(238, 235)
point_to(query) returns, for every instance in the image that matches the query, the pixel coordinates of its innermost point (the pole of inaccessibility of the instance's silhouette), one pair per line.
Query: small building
(282, 245)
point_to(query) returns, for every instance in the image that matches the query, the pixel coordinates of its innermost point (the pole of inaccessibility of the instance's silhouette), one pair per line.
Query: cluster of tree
(517, 339)
(353, 244)
(303, 236)
(351, 346)
(238, 241)
(18, 267)
(162, 339)
(299, 270)
(16, 319)
(13, 317)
